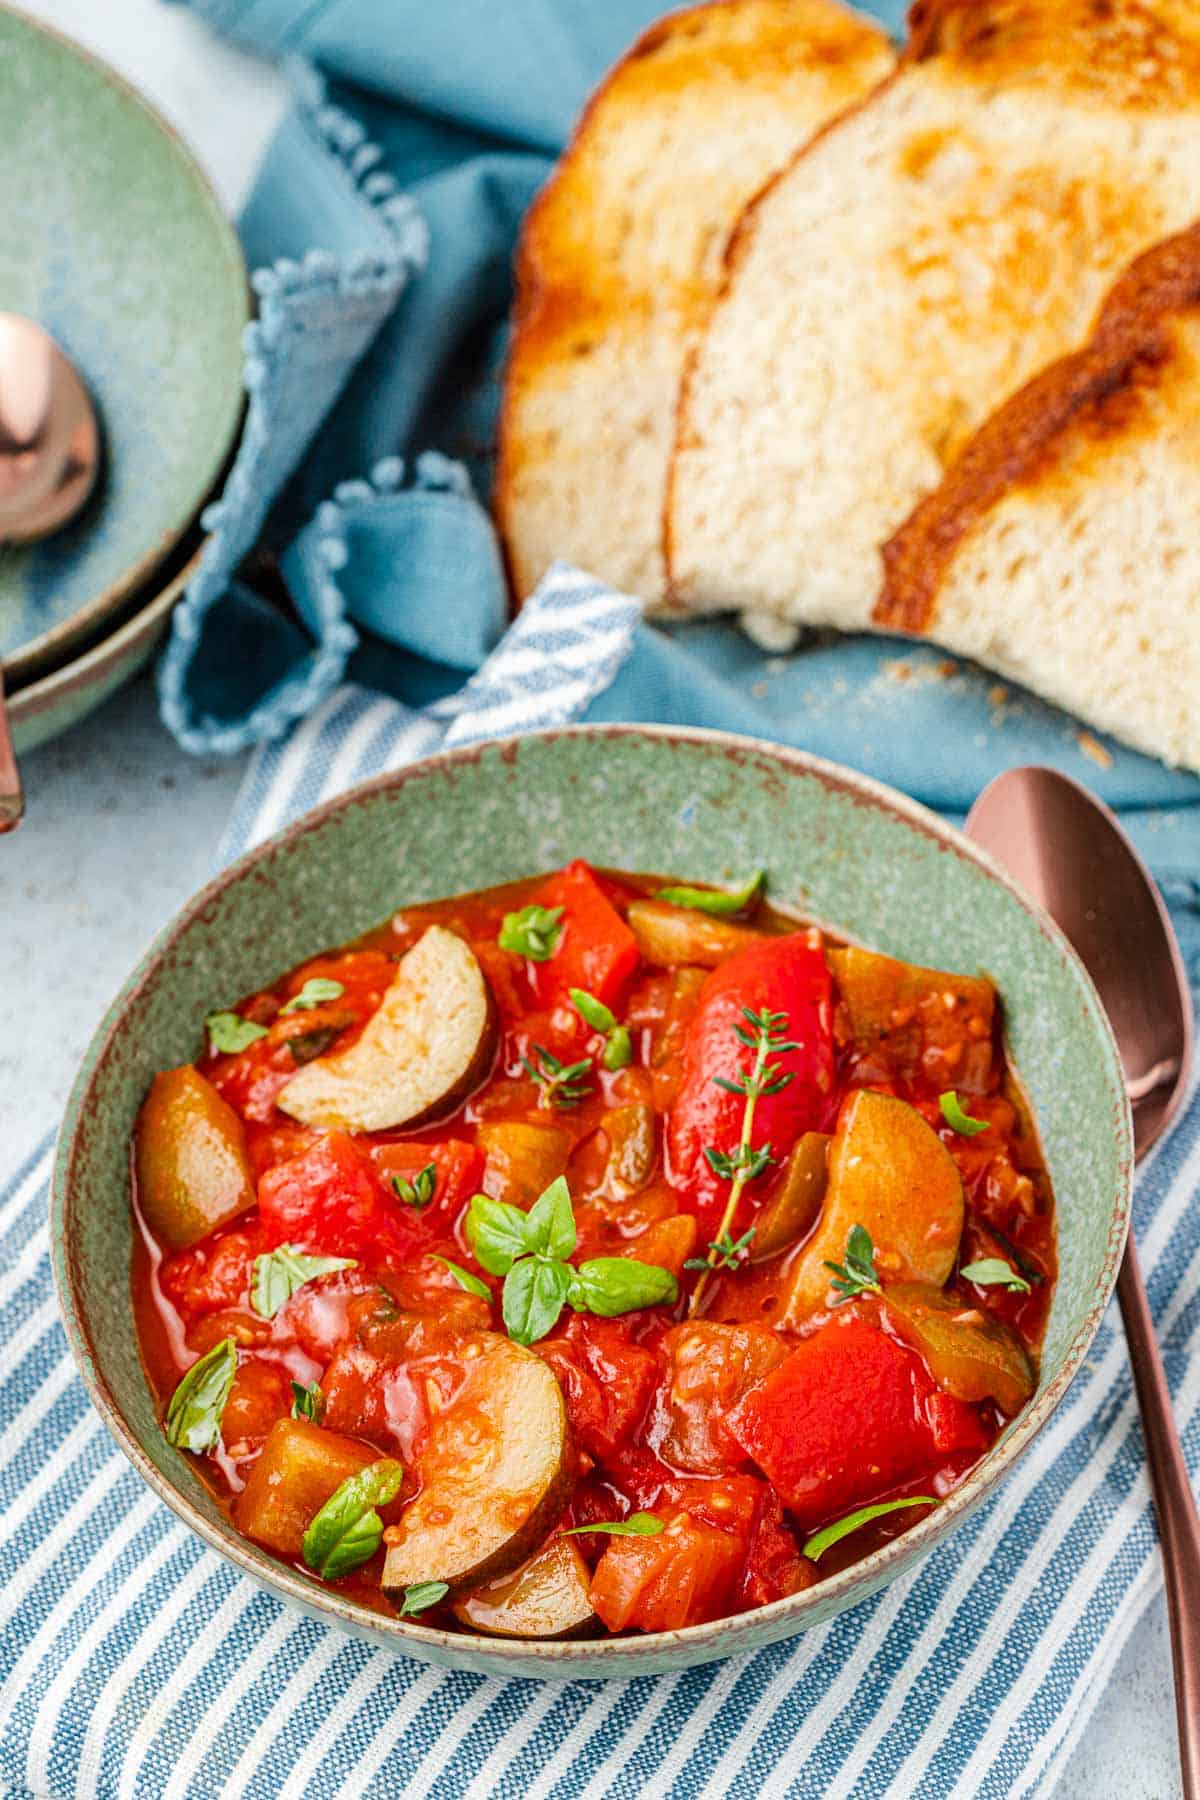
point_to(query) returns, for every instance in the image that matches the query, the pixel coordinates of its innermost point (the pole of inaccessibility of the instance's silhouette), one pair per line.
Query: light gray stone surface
(123, 827)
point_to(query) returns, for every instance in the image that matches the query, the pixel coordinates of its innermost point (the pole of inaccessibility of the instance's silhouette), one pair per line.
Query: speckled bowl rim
(42, 656)
(598, 1657)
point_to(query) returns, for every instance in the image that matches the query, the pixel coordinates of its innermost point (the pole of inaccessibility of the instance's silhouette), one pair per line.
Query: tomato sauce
(801, 1263)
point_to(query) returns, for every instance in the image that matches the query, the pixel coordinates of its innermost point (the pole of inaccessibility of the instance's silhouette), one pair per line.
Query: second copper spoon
(1068, 851)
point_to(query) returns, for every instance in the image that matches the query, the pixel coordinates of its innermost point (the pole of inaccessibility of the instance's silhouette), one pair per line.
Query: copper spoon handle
(12, 800)
(1178, 1527)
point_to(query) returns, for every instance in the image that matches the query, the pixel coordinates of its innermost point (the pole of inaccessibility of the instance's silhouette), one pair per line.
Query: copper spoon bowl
(1068, 851)
(49, 455)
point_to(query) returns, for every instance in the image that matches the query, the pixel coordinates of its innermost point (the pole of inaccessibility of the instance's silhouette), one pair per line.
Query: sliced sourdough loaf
(1063, 546)
(622, 253)
(910, 269)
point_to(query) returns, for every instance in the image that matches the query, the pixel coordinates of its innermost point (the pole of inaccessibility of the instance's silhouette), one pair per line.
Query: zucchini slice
(427, 1047)
(546, 1598)
(493, 1477)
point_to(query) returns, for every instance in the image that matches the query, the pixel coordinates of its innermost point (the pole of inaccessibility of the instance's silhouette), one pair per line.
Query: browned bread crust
(1091, 396)
(579, 271)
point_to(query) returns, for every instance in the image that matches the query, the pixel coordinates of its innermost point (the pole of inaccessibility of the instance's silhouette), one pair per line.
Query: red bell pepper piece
(595, 950)
(786, 975)
(846, 1418)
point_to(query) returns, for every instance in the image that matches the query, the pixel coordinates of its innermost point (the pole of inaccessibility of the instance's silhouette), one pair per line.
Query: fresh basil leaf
(308, 1402)
(497, 1233)
(716, 900)
(464, 1277)
(593, 1012)
(618, 1051)
(346, 1531)
(956, 1118)
(278, 1274)
(821, 1541)
(420, 1190)
(610, 1285)
(533, 932)
(638, 1524)
(535, 1293)
(228, 1033)
(193, 1419)
(550, 1223)
(421, 1596)
(990, 1271)
(315, 992)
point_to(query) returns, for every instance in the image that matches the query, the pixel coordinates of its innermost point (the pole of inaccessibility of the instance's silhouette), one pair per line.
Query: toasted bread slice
(622, 253)
(1061, 548)
(917, 263)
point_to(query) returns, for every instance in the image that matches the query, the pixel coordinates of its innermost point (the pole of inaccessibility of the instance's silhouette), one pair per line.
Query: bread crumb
(898, 670)
(1091, 746)
(760, 690)
(998, 694)
(946, 669)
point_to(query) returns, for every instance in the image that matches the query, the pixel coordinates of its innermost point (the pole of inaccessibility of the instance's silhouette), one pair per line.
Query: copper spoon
(49, 455)
(1068, 851)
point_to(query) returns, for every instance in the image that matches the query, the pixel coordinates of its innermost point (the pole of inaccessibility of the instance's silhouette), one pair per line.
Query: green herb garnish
(724, 1253)
(421, 1596)
(464, 1278)
(533, 932)
(562, 1084)
(765, 1037)
(638, 1524)
(193, 1419)
(593, 1012)
(715, 900)
(817, 1545)
(858, 1274)
(308, 1402)
(346, 1532)
(618, 1045)
(229, 1033)
(530, 1251)
(315, 992)
(420, 1190)
(956, 1118)
(990, 1271)
(278, 1274)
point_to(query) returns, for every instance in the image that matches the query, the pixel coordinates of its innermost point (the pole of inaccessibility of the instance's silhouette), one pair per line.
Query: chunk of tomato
(595, 950)
(606, 1379)
(685, 1575)
(787, 976)
(215, 1273)
(330, 1200)
(846, 1418)
(457, 1167)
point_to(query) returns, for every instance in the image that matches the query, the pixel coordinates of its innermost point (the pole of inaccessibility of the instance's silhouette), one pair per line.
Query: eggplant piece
(795, 1205)
(493, 1477)
(430, 1043)
(891, 1173)
(192, 1169)
(632, 1134)
(522, 1159)
(299, 1467)
(546, 1598)
(969, 1352)
(924, 1021)
(671, 936)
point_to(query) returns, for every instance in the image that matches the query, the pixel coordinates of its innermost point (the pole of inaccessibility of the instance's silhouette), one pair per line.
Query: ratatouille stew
(593, 1254)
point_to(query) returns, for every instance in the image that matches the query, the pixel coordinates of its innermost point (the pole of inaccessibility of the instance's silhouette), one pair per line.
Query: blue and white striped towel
(136, 1662)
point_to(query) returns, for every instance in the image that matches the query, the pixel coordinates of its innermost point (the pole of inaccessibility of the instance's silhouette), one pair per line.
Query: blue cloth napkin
(381, 228)
(135, 1662)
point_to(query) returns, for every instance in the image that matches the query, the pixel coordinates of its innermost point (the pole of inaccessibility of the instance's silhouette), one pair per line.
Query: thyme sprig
(763, 1033)
(727, 1253)
(561, 1084)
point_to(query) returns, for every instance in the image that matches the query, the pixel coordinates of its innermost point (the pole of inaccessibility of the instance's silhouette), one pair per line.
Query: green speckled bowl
(111, 238)
(845, 851)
